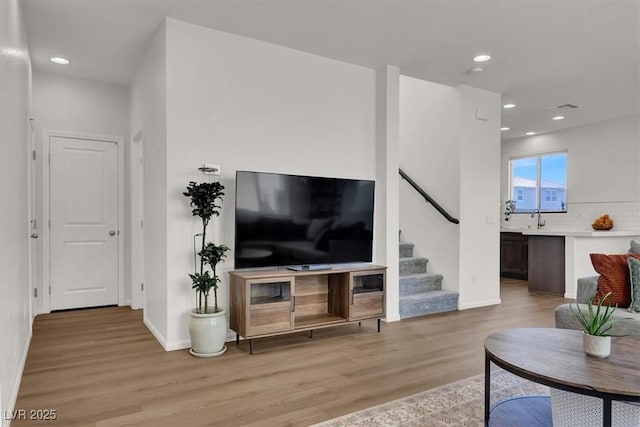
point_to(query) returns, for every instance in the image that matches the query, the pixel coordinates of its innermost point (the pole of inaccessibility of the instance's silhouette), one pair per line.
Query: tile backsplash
(580, 216)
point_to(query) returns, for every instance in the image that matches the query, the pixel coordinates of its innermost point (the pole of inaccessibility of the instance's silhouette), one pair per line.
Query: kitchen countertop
(572, 233)
(578, 245)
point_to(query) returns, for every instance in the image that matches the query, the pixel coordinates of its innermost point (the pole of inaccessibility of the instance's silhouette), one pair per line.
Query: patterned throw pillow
(634, 273)
(635, 247)
(614, 277)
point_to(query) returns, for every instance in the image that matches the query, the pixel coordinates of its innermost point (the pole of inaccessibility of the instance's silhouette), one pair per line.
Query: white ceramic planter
(596, 346)
(208, 333)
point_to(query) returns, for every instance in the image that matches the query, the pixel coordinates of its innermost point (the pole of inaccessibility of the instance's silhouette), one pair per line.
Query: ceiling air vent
(567, 106)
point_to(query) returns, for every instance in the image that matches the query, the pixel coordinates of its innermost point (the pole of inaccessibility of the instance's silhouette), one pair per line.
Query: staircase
(421, 292)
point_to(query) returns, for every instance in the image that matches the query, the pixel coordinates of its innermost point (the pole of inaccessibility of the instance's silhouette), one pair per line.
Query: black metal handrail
(428, 198)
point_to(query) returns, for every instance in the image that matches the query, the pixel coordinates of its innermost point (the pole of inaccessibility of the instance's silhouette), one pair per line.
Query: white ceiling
(545, 52)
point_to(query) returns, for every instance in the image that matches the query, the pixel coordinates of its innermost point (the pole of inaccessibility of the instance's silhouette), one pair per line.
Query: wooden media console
(274, 302)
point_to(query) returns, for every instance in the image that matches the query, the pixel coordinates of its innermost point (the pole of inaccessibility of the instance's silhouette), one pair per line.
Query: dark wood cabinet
(514, 255)
(547, 264)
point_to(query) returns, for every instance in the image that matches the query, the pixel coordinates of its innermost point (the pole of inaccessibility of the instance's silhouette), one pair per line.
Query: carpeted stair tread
(431, 295)
(423, 282)
(412, 265)
(421, 292)
(428, 303)
(406, 249)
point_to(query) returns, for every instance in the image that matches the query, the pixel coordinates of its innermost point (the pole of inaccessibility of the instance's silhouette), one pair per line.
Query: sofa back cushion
(614, 277)
(634, 275)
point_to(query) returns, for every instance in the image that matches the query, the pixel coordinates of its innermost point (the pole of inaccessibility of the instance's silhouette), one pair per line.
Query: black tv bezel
(309, 266)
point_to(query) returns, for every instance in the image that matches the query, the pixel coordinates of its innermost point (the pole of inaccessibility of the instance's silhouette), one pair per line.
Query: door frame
(46, 214)
(32, 182)
(136, 212)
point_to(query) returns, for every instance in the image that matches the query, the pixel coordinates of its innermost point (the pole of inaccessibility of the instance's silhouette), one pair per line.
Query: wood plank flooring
(103, 367)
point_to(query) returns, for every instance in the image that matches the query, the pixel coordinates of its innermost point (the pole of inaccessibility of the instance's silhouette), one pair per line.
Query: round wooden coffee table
(554, 357)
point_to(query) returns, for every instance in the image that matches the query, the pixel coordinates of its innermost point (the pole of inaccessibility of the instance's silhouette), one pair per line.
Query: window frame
(539, 194)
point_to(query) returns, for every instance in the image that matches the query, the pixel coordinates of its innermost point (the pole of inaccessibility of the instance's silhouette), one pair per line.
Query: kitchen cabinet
(514, 255)
(547, 264)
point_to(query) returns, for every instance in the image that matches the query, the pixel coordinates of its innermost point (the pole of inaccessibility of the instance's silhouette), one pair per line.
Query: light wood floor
(102, 367)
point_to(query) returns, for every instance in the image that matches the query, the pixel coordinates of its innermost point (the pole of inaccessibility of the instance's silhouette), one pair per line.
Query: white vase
(596, 346)
(208, 333)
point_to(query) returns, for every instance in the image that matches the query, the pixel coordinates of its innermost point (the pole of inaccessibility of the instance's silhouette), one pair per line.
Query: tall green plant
(204, 198)
(596, 321)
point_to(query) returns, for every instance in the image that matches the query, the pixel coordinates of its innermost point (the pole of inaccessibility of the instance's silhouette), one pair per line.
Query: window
(551, 195)
(539, 182)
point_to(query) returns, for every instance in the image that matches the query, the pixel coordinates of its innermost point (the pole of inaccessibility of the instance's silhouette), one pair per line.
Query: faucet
(540, 220)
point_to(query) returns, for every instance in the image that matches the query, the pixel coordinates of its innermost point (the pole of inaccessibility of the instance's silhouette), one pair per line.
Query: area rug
(456, 404)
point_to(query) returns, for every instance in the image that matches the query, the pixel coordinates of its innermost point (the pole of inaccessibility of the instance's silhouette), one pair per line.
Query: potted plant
(208, 323)
(510, 207)
(596, 324)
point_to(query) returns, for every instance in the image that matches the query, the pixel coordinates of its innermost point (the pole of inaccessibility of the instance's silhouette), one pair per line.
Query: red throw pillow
(614, 277)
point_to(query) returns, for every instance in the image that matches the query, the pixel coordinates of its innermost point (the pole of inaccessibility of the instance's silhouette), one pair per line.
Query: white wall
(430, 155)
(247, 104)
(81, 106)
(602, 173)
(149, 112)
(479, 198)
(455, 157)
(387, 221)
(15, 104)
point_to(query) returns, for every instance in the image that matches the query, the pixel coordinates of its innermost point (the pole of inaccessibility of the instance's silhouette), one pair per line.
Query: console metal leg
(487, 389)
(359, 323)
(251, 346)
(606, 412)
(379, 325)
(311, 333)
(237, 339)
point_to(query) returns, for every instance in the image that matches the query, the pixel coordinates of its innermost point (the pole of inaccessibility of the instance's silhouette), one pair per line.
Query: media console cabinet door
(271, 305)
(366, 292)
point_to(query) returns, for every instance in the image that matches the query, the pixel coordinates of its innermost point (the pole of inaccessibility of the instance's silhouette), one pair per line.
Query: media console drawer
(273, 302)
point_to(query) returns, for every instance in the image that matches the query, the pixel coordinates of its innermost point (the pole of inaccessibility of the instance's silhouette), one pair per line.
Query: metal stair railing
(428, 198)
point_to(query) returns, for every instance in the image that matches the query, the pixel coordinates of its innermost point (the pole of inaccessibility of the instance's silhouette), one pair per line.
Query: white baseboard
(479, 304)
(176, 345)
(154, 331)
(392, 318)
(570, 295)
(16, 387)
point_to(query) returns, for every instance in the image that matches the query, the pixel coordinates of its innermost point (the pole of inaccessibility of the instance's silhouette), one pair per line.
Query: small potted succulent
(596, 324)
(208, 323)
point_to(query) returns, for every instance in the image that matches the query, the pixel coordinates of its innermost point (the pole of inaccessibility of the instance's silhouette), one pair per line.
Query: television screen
(293, 220)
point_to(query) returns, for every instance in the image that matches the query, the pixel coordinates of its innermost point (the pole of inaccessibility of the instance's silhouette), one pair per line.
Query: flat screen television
(305, 221)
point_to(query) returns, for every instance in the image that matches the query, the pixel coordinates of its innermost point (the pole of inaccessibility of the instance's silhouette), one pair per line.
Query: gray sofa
(587, 287)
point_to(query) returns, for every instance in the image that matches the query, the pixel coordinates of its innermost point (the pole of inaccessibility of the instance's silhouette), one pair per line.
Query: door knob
(112, 233)
(34, 236)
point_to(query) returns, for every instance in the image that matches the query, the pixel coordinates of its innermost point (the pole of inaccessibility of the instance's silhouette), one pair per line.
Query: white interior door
(84, 222)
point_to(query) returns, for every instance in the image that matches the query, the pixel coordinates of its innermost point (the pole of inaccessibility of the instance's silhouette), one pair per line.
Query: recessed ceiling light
(557, 118)
(530, 133)
(505, 128)
(482, 58)
(60, 61)
(507, 106)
